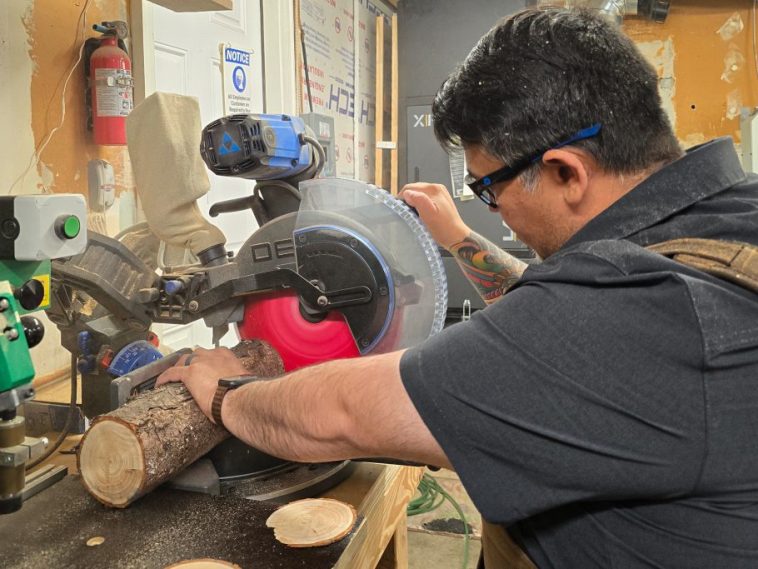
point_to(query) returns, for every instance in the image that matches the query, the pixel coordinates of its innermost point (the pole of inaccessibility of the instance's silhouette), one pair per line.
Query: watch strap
(218, 399)
(226, 384)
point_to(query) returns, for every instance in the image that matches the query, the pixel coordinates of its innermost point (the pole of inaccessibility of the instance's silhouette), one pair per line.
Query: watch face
(236, 380)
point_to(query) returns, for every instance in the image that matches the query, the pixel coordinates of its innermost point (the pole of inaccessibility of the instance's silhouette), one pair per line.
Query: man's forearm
(337, 410)
(491, 270)
(277, 416)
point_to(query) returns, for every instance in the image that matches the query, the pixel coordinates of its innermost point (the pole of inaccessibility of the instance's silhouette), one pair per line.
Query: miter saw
(338, 268)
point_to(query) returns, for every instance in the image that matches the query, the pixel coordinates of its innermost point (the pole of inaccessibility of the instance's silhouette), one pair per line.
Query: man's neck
(609, 188)
(630, 181)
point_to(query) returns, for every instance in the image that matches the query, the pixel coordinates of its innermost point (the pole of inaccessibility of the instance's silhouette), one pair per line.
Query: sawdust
(164, 527)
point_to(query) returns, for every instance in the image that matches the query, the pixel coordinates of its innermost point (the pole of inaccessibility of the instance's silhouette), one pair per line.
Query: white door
(187, 60)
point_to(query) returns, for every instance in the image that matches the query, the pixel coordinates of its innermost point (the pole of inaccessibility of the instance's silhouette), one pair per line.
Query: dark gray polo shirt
(606, 409)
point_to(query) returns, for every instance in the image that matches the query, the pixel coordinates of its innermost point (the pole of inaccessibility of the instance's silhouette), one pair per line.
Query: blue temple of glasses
(583, 134)
(510, 171)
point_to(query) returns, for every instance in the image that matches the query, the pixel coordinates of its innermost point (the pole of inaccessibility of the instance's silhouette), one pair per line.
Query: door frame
(278, 39)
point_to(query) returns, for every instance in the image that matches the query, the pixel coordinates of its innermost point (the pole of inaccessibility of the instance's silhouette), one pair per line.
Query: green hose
(431, 496)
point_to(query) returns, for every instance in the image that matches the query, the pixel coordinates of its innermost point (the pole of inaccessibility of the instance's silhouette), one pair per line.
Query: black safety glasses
(482, 187)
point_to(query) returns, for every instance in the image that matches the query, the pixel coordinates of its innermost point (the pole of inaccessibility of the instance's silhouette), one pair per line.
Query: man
(605, 409)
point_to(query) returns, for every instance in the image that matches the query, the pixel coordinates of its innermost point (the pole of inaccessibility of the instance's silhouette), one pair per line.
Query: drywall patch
(734, 62)
(661, 55)
(693, 139)
(731, 27)
(46, 175)
(733, 104)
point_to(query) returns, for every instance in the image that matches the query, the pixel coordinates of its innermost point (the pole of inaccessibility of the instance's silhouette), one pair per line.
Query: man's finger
(177, 373)
(183, 360)
(421, 201)
(412, 197)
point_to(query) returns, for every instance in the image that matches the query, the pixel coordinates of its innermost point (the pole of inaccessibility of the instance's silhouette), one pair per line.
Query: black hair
(540, 76)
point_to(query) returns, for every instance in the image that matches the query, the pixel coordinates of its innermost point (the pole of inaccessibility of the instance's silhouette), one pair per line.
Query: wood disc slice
(203, 564)
(312, 522)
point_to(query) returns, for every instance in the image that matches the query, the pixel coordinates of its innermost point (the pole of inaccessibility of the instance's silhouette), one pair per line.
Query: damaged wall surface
(39, 45)
(705, 57)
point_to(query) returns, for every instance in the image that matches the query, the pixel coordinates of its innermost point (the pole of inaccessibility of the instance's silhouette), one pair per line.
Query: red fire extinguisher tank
(112, 99)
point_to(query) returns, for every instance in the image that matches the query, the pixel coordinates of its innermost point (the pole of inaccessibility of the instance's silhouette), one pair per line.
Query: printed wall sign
(236, 66)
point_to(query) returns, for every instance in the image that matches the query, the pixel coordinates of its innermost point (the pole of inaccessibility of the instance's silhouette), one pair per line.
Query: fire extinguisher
(110, 77)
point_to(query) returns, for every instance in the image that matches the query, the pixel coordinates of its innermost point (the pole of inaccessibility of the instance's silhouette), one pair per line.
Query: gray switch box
(323, 129)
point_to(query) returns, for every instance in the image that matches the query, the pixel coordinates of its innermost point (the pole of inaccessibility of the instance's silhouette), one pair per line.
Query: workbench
(168, 526)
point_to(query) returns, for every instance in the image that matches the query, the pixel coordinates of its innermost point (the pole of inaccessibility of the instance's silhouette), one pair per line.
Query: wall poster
(340, 50)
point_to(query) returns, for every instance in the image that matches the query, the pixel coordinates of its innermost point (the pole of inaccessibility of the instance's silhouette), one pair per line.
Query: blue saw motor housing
(258, 147)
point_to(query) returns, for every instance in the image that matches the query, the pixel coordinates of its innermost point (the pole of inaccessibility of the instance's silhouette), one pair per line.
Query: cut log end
(113, 478)
(312, 522)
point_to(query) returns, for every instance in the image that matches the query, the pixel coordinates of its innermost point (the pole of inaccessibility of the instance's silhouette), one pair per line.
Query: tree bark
(154, 436)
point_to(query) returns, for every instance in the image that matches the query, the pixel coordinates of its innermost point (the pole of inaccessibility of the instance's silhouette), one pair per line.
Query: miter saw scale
(134, 356)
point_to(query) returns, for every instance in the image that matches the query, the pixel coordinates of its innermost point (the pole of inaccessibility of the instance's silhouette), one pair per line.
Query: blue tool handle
(173, 287)
(83, 342)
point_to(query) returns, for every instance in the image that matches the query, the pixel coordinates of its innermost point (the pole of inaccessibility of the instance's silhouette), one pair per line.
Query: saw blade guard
(407, 254)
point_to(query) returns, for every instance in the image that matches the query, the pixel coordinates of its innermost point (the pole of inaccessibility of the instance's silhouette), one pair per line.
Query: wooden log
(128, 452)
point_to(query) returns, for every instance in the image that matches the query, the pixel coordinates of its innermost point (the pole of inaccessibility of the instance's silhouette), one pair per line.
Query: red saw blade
(276, 318)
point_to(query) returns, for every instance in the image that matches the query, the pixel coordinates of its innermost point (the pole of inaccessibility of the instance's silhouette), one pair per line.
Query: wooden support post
(400, 539)
(394, 109)
(143, 50)
(396, 554)
(379, 155)
(299, 70)
(384, 511)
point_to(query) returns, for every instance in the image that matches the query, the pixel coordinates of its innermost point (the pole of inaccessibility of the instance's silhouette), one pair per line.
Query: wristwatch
(226, 384)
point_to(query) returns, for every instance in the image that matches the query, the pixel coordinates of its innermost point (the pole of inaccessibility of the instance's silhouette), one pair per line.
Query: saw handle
(122, 388)
(229, 206)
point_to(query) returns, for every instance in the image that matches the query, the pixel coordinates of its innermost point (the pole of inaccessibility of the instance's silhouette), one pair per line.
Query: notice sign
(237, 71)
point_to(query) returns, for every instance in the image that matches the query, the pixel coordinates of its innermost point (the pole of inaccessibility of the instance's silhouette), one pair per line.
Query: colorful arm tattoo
(487, 266)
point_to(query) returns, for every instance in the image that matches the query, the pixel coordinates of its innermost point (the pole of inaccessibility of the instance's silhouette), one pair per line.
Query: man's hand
(201, 376)
(437, 210)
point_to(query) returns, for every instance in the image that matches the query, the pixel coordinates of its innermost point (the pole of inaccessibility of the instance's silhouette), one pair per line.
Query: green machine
(33, 230)
(27, 283)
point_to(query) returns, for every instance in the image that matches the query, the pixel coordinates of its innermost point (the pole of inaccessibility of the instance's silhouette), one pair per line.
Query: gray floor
(439, 551)
(436, 550)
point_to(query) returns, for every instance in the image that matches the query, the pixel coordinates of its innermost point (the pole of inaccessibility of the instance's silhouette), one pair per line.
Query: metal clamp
(17, 455)
(14, 398)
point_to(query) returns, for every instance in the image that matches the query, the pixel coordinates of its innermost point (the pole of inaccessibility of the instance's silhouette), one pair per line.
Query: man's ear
(569, 172)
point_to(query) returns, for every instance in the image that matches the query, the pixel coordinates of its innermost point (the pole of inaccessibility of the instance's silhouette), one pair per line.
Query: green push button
(68, 226)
